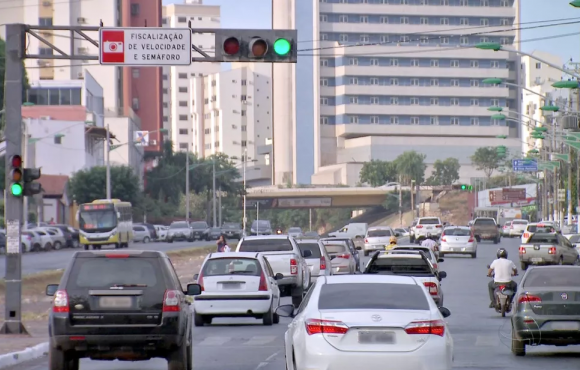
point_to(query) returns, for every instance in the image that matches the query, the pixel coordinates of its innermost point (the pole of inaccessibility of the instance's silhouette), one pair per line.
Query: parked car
(295, 232)
(200, 230)
(151, 228)
(261, 227)
(70, 234)
(35, 240)
(215, 233)
(161, 232)
(141, 233)
(232, 230)
(57, 236)
(180, 231)
(45, 239)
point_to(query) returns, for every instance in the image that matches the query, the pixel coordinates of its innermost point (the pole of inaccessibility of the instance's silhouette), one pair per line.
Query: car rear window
(458, 232)
(266, 245)
(541, 229)
(178, 225)
(552, 277)
(484, 222)
(335, 248)
(312, 247)
(574, 238)
(429, 221)
(91, 273)
(372, 296)
(425, 250)
(520, 222)
(538, 238)
(378, 233)
(294, 230)
(199, 225)
(230, 266)
(399, 266)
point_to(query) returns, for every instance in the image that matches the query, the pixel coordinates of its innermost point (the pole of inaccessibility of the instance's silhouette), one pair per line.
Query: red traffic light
(16, 161)
(231, 46)
(258, 47)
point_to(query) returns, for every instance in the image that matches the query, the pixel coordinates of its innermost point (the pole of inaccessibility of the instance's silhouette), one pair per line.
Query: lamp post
(499, 81)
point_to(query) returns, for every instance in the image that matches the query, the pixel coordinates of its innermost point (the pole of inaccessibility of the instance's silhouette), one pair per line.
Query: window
(374, 100)
(394, 62)
(504, 41)
(165, 105)
(58, 139)
(454, 121)
(353, 100)
(384, 39)
(464, 21)
(494, 102)
(454, 83)
(444, 21)
(183, 103)
(434, 101)
(444, 2)
(165, 77)
(504, 22)
(182, 131)
(414, 82)
(455, 63)
(474, 121)
(323, 101)
(136, 72)
(324, 62)
(474, 83)
(414, 120)
(135, 9)
(323, 18)
(474, 64)
(434, 63)
(324, 36)
(483, 39)
(183, 145)
(504, 3)
(394, 120)
(484, 3)
(324, 120)
(353, 81)
(374, 62)
(404, 39)
(353, 119)
(394, 100)
(484, 22)
(165, 119)
(45, 51)
(182, 76)
(494, 64)
(183, 89)
(374, 120)
(464, 40)
(454, 102)
(404, 20)
(45, 21)
(434, 82)
(243, 113)
(374, 81)
(463, 3)
(343, 18)
(414, 62)
(183, 117)
(434, 120)
(424, 39)
(394, 82)
(353, 61)
(444, 40)
(414, 101)
(135, 103)
(364, 38)
(404, 2)
(384, 20)
(323, 82)
(538, 65)
(181, 19)
(364, 19)
(343, 37)
(424, 20)
(474, 102)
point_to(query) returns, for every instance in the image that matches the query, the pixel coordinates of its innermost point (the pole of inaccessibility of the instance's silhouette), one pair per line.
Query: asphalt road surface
(480, 334)
(41, 261)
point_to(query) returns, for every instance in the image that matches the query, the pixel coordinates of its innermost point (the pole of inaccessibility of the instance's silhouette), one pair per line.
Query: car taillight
(419, 226)
(435, 266)
(522, 250)
(511, 227)
(322, 263)
(366, 240)
(293, 267)
(471, 239)
(263, 286)
(438, 226)
(200, 281)
(171, 301)
(434, 327)
(432, 288)
(316, 326)
(443, 239)
(526, 235)
(344, 255)
(60, 301)
(526, 298)
(552, 250)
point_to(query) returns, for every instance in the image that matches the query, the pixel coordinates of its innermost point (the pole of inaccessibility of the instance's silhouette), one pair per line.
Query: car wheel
(170, 240)
(87, 247)
(518, 346)
(178, 359)
(57, 245)
(198, 319)
(60, 360)
(47, 246)
(268, 318)
(276, 318)
(524, 266)
(146, 240)
(366, 253)
(207, 238)
(474, 255)
(76, 243)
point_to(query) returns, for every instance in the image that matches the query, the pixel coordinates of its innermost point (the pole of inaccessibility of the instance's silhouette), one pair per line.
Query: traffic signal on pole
(16, 176)
(31, 187)
(463, 187)
(272, 46)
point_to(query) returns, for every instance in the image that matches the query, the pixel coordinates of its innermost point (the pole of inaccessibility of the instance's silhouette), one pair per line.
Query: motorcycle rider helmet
(502, 253)
(393, 240)
(429, 236)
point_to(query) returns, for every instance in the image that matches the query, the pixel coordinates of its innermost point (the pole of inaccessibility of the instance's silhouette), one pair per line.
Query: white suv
(428, 226)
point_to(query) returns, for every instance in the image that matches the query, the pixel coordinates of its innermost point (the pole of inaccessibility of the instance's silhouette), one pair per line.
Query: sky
(257, 14)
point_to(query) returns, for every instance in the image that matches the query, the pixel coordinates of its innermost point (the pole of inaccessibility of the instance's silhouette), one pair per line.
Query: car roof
(127, 253)
(265, 237)
(306, 240)
(457, 227)
(411, 247)
(379, 228)
(253, 255)
(400, 255)
(368, 278)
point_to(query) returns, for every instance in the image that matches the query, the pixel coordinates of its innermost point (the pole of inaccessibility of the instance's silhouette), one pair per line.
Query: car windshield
(312, 247)
(429, 221)
(110, 272)
(552, 277)
(458, 232)
(198, 225)
(543, 238)
(484, 222)
(229, 266)
(378, 233)
(294, 230)
(98, 219)
(372, 296)
(232, 226)
(266, 245)
(178, 225)
(261, 224)
(399, 265)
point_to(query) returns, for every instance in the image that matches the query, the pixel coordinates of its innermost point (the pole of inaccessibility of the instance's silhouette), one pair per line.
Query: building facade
(400, 75)
(231, 114)
(177, 95)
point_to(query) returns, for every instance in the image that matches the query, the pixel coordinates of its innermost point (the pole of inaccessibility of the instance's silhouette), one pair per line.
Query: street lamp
(575, 3)
(499, 81)
(566, 84)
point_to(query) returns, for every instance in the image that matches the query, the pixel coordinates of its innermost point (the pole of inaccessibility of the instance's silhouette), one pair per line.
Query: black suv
(125, 305)
(200, 230)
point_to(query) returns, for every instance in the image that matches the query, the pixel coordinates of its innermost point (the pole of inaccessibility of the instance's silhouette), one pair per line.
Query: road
(41, 261)
(481, 335)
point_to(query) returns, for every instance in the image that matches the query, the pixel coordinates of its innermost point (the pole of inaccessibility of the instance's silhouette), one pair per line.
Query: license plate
(566, 325)
(429, 227)
(536, 247)
(376, 337)
(537, 259)
(230, 286)
(115, 302)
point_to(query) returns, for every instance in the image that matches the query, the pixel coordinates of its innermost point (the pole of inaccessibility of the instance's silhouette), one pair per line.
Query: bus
(105, 222)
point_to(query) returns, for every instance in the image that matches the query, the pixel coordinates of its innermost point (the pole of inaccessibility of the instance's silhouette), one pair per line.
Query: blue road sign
(525, 165)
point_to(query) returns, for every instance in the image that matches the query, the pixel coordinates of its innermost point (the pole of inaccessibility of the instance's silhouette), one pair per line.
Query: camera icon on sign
(112, 47)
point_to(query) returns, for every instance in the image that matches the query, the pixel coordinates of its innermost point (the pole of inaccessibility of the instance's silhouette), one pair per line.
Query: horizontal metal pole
(63, 28)
(62, 57)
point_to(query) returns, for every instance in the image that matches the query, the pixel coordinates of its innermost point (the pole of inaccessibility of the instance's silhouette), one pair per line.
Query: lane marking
(266, 362)
(214, 341)
(260, 340)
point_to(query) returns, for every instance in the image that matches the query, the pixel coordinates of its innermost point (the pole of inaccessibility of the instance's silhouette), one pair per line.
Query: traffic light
(31, 187)
(273, 46)
(16, 187)
(463, 187)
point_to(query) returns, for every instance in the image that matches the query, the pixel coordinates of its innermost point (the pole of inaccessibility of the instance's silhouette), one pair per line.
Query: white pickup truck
(285, 258)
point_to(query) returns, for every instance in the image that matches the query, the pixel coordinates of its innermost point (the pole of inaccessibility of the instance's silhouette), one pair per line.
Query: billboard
(141, 138)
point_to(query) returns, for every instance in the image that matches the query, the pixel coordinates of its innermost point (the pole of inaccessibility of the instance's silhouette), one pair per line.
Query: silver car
(548, 249)
(377, 237)
(319, 261)
(341, 259)
(517, 228)
(295, 232)
(458, 240)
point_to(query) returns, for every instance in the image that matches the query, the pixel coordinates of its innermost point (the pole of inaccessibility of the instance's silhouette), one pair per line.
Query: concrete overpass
(326, 197)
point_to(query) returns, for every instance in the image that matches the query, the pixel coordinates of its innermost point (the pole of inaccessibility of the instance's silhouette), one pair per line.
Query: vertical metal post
(15, 45)
(187, 186)
(578, 190)
(310, 219)
(400, 203)
(214, 197)
(245, 220)
(220, 206)
(412, 199)
(108, 159)
(569, 195)
(26, 163)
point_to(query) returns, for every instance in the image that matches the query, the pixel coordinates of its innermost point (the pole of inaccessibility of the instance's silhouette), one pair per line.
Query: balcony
(412, 110)
(431, 72)
(413, 51)
(398, 29)
(414, 10)
(354, 131)
(441, 91)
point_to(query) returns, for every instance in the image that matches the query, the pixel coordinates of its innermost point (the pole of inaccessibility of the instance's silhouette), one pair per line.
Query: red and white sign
(147, 46)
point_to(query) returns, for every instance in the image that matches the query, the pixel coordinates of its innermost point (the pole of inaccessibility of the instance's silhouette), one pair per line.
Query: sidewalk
(38, 333)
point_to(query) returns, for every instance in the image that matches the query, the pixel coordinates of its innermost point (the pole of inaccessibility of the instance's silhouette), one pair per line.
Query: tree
(445, 172)
(378, 173)
(411, 166)
(486, 159)
(2, 82)
(88, 185)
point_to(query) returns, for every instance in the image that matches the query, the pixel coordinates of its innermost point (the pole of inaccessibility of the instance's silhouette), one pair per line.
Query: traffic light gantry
(268, 46)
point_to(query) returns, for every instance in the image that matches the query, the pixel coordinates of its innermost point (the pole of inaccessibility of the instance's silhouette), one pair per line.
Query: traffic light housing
(463, 187)
(16, 176)
(30, 187)
(266, 46)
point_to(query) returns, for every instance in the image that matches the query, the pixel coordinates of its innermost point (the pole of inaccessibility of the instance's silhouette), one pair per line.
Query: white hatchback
(345, 325)
(238, 284)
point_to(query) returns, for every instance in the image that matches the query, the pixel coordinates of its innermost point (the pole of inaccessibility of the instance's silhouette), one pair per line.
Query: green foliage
(411, 166)
(378, 173)
(391, 202)
(3, 86)
(486, 159)
(444, 172)
(88, 185)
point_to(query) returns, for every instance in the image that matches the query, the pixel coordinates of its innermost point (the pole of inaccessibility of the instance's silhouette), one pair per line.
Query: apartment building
(136, 89)
(231, 113)
(177, 95)
(537, 77)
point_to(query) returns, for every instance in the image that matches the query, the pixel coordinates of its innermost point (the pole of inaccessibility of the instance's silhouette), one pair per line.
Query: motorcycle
(504, 298)
(278, 231)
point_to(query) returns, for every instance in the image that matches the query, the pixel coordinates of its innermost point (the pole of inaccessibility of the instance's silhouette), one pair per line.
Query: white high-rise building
(231, 113)
(537, 77)
(177, 94)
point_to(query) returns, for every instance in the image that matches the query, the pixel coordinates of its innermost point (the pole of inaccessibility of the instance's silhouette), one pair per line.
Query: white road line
(272, 357)
(214, 341)
(267, 361)
(260, 340)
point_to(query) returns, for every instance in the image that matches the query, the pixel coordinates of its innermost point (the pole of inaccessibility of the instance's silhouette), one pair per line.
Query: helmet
(429, 236)
(393, 240)
(502, 253)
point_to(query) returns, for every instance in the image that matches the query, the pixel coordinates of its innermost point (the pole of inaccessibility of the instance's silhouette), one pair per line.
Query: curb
(30, 353)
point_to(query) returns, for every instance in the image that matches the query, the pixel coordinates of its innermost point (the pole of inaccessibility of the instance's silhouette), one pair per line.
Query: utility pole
(400, 203)
(220, 206)
(108, 159)
(26, 160)
(214, 197)
(187, 186)
(245, 219)
(412, 199)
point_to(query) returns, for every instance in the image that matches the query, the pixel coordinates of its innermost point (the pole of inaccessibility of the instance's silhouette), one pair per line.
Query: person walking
(222, 245)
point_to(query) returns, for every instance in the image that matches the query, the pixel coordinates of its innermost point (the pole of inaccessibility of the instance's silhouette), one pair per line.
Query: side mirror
(51, 289)
(193, 289)
(444, 312)
(195, 277)
(499, 226)
(442, 274)
(359, 248)
(440, 260)
(278, 276)
(286, 310)
(307, 253)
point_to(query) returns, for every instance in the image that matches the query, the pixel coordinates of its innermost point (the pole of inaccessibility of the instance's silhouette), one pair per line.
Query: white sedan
(346, 325)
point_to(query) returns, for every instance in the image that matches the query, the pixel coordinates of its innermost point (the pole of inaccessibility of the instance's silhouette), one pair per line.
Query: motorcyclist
(392, 243)
(430, 243)
(502, 268)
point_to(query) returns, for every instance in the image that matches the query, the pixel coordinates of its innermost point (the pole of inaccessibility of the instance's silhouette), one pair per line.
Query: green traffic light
(282, 46)
(16, 189)
(463, 187)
